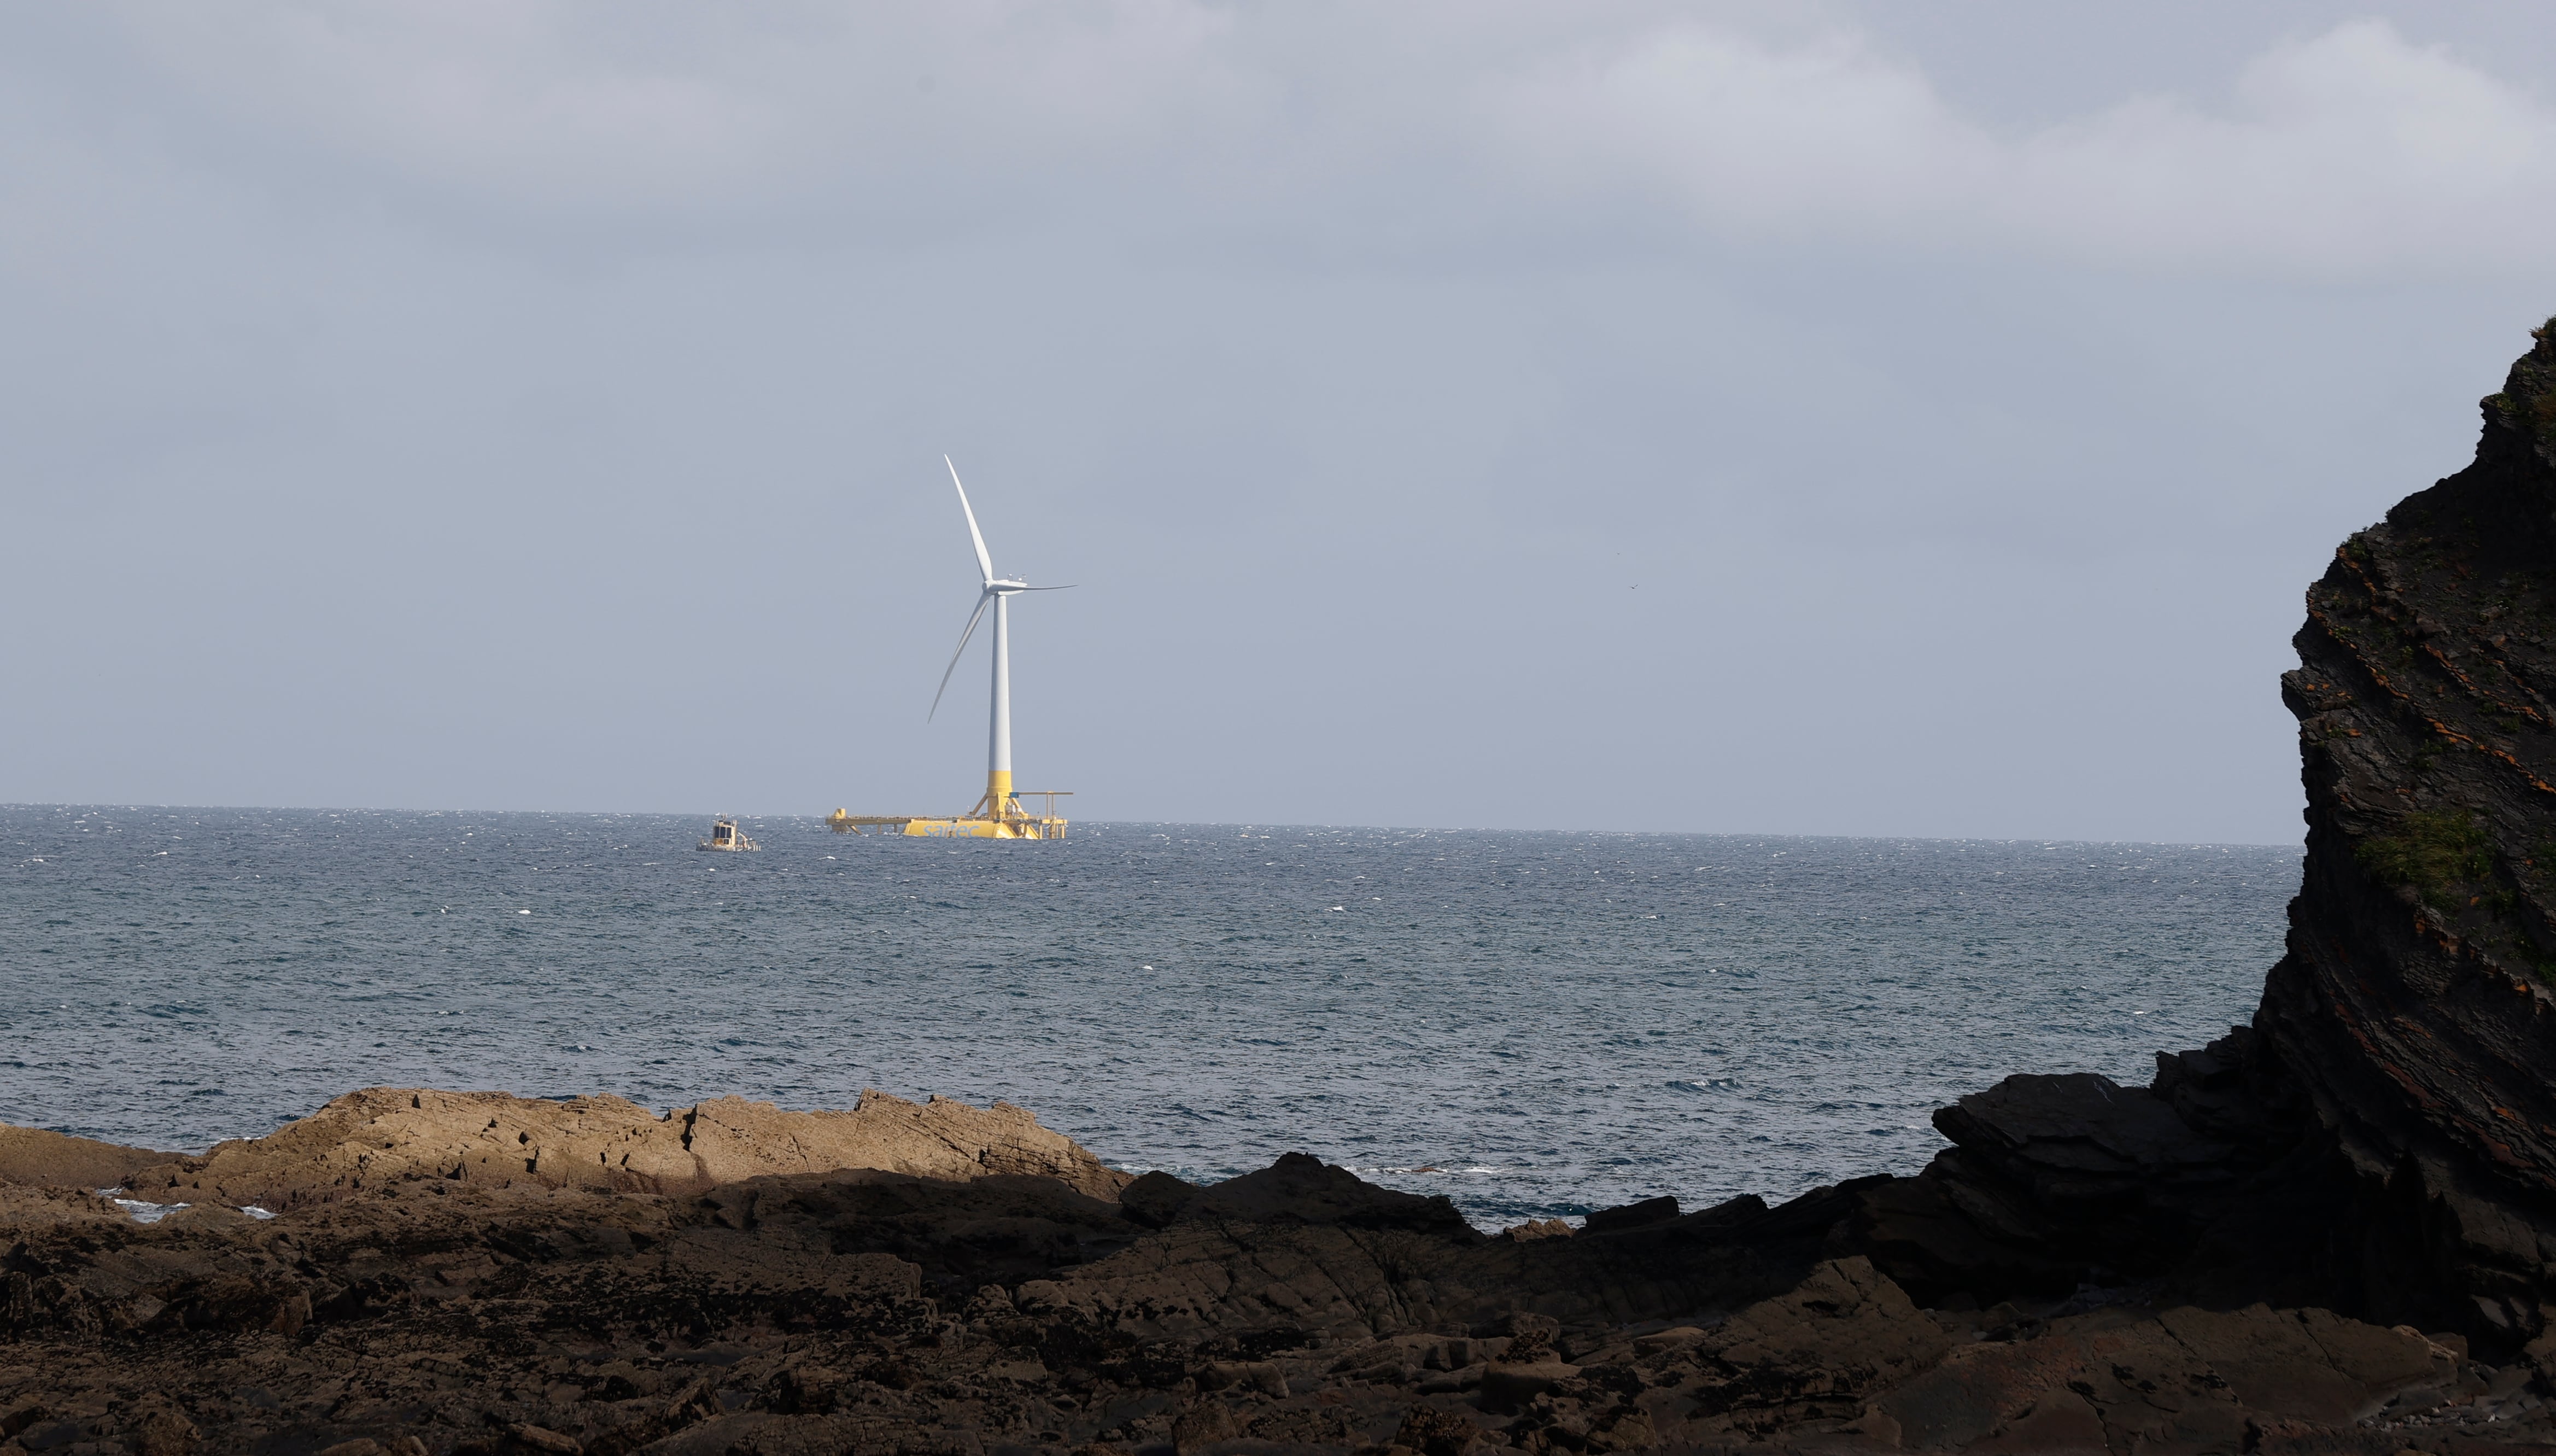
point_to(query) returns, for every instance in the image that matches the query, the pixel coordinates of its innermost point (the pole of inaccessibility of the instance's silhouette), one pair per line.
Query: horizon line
(819, 818)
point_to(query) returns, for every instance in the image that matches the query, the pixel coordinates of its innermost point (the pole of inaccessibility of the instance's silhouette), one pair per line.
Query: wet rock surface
(2333, 1231)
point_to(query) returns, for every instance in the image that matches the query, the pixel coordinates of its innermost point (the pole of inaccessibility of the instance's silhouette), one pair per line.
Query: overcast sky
(1848, 419)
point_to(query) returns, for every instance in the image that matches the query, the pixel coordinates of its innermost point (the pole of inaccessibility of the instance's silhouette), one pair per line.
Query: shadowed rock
(863, 1310)
(1299, 1188)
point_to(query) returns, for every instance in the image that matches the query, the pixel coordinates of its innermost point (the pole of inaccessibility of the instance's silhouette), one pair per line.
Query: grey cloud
(2340, 152)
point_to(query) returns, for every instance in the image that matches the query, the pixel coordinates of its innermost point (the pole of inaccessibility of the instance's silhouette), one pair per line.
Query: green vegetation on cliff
(2434, 851)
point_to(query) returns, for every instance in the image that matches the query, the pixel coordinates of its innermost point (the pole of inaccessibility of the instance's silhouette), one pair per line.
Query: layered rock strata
(2382, 1138)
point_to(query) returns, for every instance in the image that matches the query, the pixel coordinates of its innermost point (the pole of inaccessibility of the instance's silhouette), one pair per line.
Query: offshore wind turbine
(997, 593)
(999, 814)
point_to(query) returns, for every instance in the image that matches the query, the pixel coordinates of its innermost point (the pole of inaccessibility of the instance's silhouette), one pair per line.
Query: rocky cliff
(2410, 1020)
(2382, 1138)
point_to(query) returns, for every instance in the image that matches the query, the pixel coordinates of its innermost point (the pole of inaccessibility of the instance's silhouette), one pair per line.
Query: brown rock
(1816, 1352)
(1630, 1429)
(860, 1310)
(1202, 1423)
(27, 1207)
(1506, 1387)
(386, 1136)
(164, 1432)
(2057, 1421)
(1677, 1337)
(1256, 1374)
(941, 1138)
(1530, 1336)
(2309, 1363)
(33, 1156)
(2185, 1377)
(1434, 1431)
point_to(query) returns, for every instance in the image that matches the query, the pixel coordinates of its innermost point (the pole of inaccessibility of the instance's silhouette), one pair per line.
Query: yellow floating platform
(998, 816)
(1020, 826)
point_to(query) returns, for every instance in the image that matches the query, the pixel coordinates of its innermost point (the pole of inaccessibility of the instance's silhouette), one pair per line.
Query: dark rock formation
(1296, 1189)
(2382, 1139)
(874, 1311)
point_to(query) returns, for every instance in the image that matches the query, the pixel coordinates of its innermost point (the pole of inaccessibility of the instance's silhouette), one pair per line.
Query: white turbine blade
(981, 599)
(1067, 587)
(984, 562)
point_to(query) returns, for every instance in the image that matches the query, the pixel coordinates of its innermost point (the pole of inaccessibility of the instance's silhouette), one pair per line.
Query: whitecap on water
(147, 1213)
(1421, 1169)
(142, 1211)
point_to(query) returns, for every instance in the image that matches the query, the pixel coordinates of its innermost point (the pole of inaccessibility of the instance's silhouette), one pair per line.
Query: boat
(724, 835)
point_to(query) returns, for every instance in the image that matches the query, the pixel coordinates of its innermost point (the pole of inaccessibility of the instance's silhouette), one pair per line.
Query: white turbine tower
(999, 804)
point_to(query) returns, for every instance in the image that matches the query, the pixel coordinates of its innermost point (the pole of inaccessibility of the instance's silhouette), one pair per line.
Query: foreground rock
(1296, 1310)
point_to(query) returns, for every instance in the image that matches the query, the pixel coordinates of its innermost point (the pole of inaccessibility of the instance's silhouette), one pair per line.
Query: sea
(1534, 1024)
